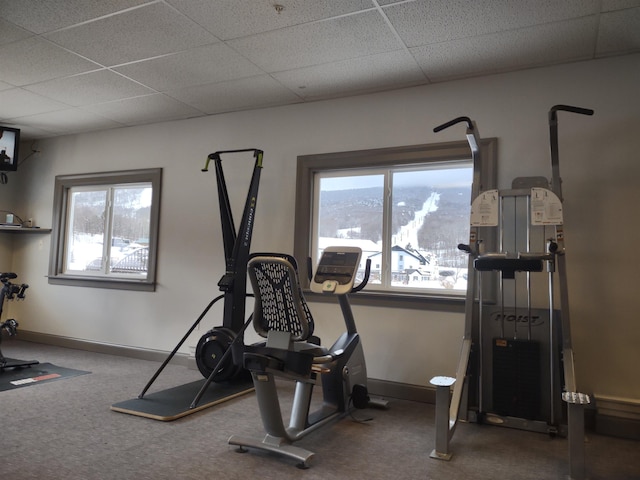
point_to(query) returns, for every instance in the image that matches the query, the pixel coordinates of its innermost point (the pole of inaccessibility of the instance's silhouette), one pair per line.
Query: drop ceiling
(71, 66)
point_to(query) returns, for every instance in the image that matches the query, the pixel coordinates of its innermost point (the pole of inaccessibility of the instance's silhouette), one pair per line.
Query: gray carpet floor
(65, 430)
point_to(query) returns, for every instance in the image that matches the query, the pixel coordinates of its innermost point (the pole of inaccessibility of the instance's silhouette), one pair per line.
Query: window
(105, 229)
(407, 208)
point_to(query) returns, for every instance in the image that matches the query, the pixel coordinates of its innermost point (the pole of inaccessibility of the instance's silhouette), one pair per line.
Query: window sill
(93, 282)
(443, 303)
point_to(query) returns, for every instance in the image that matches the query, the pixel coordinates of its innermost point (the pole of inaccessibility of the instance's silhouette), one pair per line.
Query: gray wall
(600, 167)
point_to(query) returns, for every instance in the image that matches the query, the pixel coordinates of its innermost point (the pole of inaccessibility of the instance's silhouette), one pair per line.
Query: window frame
(403, 156)
(63, 185)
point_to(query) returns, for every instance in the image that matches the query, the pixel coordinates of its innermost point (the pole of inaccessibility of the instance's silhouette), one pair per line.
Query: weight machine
(516, 364)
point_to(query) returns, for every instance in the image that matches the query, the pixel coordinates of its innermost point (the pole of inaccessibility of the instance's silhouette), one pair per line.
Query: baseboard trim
(617, 427)
(618, 417)
(613, 417)
(181, 359)
(381, 388)
(402, 391)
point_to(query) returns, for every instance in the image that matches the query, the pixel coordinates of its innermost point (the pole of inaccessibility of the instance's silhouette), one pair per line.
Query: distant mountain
(361, 211)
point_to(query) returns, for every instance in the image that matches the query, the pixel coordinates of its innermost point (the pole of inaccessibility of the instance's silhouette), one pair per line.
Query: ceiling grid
(72, 66)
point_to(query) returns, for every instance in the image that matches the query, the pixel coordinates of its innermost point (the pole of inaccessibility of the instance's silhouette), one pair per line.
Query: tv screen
(9, 142)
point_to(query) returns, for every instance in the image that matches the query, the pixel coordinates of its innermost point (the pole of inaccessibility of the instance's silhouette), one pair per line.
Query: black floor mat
(174, 403)
(16, 377)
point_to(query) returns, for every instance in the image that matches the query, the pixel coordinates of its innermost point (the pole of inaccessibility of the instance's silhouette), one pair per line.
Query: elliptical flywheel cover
(210, 349)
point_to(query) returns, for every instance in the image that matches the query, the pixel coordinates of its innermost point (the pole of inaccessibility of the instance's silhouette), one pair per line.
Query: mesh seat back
(279, 301)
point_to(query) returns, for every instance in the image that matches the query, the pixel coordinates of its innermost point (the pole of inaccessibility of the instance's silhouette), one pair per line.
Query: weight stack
(516, 378)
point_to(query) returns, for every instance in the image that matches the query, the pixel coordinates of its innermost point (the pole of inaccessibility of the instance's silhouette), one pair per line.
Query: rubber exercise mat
(11, 378)
(174, 403)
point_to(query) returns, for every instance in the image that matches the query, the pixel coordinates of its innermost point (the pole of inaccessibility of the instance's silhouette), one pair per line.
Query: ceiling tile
(208, 64)
(17, 102)
(214, 54)
(68, 121)
(320, 42)
(45, 16)
(261, 91)
(10, 32)
(619, 32)
(346, 77)
(35, 60)
(228, 19)
(504, 51)
(28, 132)
(608, 5)
(90, 88)
(147, 109)
(152, 30)
(433, 21)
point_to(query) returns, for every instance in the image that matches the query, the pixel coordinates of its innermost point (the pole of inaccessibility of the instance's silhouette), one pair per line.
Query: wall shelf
(24, 230)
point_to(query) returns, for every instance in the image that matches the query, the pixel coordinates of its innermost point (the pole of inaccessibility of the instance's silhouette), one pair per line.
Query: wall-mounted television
(9, 143)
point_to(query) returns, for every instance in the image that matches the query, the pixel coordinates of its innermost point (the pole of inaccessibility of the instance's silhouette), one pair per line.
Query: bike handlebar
(310, 268)
(464, 247)
(357, 288)
(365, 280)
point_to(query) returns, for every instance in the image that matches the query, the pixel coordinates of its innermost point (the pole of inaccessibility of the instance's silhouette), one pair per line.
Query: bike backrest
(279, 301)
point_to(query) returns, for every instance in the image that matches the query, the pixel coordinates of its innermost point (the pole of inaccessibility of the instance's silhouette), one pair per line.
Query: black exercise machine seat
(282, 315)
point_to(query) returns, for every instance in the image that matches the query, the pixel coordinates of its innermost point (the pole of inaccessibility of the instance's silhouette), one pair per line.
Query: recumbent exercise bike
(282, 315)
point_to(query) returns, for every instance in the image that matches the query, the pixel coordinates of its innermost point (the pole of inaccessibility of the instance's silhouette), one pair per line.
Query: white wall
(600, 166)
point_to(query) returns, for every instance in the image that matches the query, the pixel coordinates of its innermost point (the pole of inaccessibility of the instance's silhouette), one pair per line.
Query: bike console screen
(336, 270)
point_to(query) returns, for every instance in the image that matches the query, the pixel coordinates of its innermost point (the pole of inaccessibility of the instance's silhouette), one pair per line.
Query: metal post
(575, 412)
(442, 384)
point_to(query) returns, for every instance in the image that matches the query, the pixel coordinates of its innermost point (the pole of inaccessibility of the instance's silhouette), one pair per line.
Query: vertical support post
(576, 441)
(442, 384)
(575, 418)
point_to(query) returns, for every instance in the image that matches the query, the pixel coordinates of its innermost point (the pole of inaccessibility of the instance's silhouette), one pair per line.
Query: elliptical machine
(10, 291)
(292, 352)
(213, 351)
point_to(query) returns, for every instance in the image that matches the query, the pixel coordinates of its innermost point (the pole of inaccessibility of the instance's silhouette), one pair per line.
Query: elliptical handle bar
(216, 155)
(365, 280)
(453, 122)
